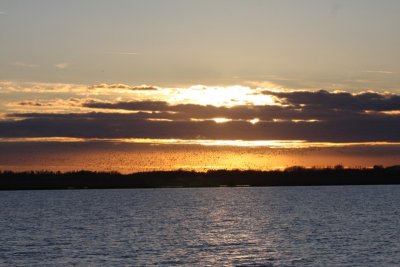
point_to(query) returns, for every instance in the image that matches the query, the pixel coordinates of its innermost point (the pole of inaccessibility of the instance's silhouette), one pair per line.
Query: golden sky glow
(133, 157)
(292, 144)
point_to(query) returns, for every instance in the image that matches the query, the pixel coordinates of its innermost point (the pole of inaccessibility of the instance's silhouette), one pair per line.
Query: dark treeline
(293, 176)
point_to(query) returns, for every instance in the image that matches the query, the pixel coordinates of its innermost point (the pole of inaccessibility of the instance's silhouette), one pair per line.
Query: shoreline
(294, 176)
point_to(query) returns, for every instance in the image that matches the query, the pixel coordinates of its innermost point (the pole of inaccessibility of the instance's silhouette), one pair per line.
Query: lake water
(281, 226)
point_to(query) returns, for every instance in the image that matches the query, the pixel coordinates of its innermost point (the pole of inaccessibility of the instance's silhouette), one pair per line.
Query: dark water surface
(292, 226)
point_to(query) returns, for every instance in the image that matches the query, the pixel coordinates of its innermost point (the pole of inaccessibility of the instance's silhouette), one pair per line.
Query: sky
(153, 85)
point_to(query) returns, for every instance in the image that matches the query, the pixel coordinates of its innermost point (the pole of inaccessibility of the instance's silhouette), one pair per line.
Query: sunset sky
(167, 84)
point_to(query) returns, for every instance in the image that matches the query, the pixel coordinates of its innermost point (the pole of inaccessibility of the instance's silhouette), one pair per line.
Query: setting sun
(219, 96)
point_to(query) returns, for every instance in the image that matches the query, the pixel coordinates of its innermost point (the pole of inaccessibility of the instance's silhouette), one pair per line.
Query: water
(292, 226)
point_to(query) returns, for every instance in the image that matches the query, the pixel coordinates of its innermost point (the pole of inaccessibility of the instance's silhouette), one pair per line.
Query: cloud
(62, 65)
(42, 88)
(379, 71)
(3, 13)
(297, 105)
(73, 89)
(25, 65)
(22, 109)
(30, 103)
(124, 53)
(313, 116)
(131, 105)
(58, 105)
(125, 111)
(344, 101)
(117, 125)
(123, 86)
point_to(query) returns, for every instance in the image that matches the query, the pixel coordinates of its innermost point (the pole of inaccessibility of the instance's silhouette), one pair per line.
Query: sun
(220, 96)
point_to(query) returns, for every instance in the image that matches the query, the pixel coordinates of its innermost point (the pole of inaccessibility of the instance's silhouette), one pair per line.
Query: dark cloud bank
(313, 116)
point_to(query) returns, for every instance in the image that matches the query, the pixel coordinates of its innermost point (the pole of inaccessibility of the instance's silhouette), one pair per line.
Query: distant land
(293, 176)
